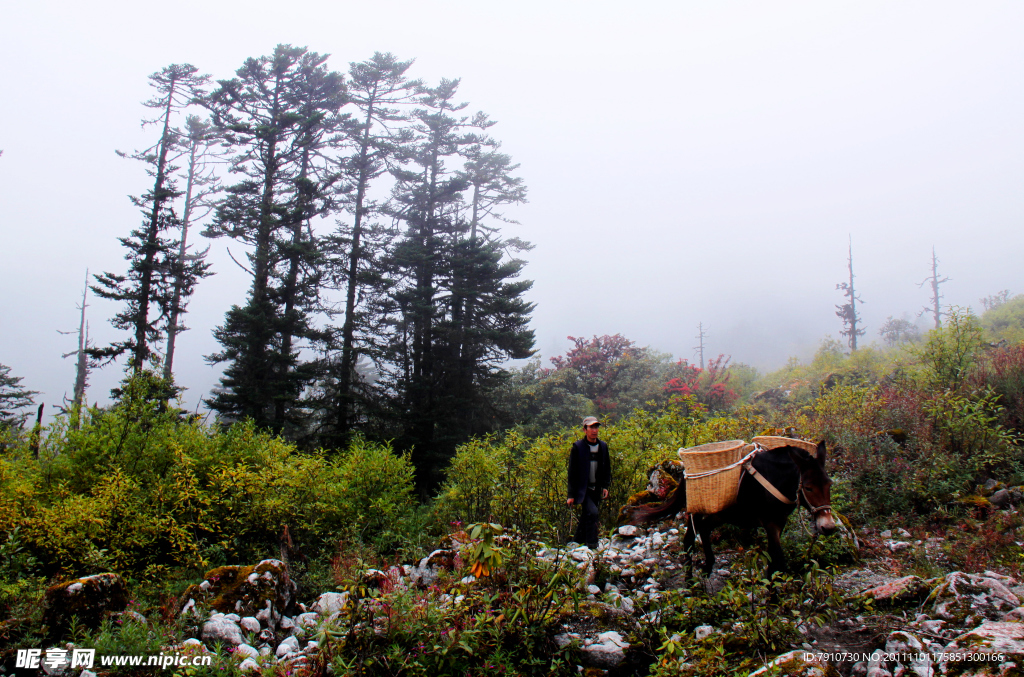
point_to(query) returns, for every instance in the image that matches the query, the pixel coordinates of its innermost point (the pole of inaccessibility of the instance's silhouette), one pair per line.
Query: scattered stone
(375, 578)
(288, 645)
(425, 573)
(329, 603)
(607, 651)
(1000, 499)
(246, 651)
(248, 665)
(703, 631)
(565, 639)
(222, 629)
(908, 588)
(133, 616)
(962, 596)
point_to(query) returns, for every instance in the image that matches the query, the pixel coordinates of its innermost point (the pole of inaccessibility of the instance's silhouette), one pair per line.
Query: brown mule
(797, 477)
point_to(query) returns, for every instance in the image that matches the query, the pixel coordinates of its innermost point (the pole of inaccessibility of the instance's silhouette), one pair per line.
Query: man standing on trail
(590, 473)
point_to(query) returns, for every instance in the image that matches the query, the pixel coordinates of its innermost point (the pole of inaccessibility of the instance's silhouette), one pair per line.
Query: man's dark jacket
(579, 469)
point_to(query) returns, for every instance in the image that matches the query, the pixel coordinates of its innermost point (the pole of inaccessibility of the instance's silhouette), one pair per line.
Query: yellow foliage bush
(139, 490)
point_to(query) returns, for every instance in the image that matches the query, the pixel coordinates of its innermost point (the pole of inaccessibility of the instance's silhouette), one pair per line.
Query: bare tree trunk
(936, 301)
(172, 323)
(37, 431)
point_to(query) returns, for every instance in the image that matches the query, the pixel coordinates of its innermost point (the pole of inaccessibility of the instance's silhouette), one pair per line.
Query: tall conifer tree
(144, 289)
(378, 90)
(280, 114)
(199, 143)
(438, 358)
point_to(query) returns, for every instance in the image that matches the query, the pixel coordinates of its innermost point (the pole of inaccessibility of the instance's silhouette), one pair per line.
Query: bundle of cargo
(713, 473)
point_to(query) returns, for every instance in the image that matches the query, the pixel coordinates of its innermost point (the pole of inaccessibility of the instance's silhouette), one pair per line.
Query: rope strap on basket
(749, 468)
(709, 473)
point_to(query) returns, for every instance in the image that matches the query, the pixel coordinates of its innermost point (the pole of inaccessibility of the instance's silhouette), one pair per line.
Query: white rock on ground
(220, 628)
(607, 651)
(287, 646)
(307, 620)
(330, 603)
(249, 624)
(248, 665)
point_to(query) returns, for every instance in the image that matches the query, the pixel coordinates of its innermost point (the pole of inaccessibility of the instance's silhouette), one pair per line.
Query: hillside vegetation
(916, 431)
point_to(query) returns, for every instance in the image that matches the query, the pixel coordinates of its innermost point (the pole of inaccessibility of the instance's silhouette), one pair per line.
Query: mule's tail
(646, 513)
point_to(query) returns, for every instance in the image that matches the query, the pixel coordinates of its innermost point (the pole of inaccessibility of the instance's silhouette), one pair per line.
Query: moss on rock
(245, 590)
(89, 599)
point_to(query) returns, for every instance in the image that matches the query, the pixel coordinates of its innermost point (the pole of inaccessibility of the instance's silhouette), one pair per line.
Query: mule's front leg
(704, 526)
(689, 537)
(777, 557)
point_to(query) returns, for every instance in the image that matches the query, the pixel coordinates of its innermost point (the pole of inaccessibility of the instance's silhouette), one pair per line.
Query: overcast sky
(687, 162)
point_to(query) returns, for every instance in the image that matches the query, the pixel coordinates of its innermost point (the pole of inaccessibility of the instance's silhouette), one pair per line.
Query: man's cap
(590, 420)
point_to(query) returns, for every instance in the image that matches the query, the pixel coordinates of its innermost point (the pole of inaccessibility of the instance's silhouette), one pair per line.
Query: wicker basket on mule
(773, 442)
(713, 472)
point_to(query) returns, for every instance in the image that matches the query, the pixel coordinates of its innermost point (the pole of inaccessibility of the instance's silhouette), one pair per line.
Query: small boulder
(288, 645)
(247, 590)
(906, 589)
(607, 651)
(248, 665)
(1000, 499)
(329, 603)
(90, 599)
(221, 629)
(425, 573)
(991, 637)
(961, 597)
(249, 624)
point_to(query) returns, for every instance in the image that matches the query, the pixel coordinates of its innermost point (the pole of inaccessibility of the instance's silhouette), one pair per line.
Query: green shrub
(754, 617)
(141, 491)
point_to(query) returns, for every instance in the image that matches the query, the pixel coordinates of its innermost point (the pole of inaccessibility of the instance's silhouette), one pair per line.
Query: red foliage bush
(709, 386)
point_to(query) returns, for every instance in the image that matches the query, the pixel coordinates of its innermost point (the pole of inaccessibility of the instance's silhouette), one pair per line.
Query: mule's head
(816, 487)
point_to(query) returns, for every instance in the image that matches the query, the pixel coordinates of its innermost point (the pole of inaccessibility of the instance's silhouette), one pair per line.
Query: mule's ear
(822, 454)
(800, 457)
